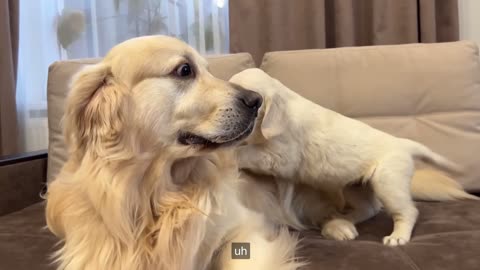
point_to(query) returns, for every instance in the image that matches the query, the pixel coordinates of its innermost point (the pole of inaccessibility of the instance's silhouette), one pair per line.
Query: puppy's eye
(184, 70)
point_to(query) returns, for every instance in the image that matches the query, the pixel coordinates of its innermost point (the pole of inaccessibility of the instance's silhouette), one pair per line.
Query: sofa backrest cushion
(59, 78)
(426, 92)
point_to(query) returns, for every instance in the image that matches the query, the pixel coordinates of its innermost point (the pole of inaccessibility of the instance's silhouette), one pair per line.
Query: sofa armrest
(22, 178)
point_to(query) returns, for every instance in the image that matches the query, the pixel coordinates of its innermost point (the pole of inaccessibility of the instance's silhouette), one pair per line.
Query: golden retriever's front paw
(394, 240)
(339, 229)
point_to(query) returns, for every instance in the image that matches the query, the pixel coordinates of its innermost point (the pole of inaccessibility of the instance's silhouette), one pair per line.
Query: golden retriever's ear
(273, 122)
(95, 111)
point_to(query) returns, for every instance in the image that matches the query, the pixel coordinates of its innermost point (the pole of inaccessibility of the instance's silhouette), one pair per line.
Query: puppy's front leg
(339, 229)
(342, 226)
(362, 206)
(320, 208)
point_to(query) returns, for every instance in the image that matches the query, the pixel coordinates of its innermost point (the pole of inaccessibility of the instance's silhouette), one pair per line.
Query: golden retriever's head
(273, 119)
(153, 92)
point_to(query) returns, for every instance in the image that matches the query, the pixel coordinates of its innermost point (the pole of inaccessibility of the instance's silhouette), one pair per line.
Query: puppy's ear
(95, 111)
(273, 122)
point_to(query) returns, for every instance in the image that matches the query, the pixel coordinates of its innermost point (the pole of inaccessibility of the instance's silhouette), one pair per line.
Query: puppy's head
(155, 92)
(273, 119)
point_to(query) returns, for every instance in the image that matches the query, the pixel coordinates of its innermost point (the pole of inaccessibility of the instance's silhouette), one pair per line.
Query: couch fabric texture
(18, 187)
(446, 237)
(430, 93)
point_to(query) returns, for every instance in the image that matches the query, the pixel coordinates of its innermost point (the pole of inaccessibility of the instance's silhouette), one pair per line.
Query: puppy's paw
(339, 229)
(395, 240)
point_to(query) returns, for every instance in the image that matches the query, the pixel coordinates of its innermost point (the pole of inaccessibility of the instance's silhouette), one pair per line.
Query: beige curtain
(9, 15)
(259, 26)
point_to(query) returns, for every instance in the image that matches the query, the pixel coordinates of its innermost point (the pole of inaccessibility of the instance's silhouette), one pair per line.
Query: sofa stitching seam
(406, 258)
(428, 236)
(366, 48)
(417, 115)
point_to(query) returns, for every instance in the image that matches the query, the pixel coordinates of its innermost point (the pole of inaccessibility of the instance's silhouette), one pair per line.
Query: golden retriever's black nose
(251, 99)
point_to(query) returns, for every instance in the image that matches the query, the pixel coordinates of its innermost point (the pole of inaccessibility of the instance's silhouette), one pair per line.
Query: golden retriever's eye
(184, 70)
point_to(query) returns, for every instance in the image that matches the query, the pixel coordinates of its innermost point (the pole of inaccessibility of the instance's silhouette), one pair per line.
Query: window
(52, 30)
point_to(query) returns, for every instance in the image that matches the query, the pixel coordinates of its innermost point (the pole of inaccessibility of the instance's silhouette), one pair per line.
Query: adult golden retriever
(302, 142)
(150, 182)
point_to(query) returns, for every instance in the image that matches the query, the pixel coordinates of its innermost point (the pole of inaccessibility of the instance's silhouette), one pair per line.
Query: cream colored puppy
(299, 140)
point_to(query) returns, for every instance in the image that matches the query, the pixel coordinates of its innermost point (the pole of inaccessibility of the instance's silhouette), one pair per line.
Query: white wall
(469, 15)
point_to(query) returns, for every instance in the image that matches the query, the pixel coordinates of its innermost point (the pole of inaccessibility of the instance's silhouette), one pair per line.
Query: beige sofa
(430, 93)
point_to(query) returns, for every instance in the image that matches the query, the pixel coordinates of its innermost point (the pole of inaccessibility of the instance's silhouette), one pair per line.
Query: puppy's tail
(420, 151)
(431, 185)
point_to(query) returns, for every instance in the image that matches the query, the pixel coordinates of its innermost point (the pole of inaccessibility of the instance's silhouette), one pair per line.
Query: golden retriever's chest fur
(103, 231)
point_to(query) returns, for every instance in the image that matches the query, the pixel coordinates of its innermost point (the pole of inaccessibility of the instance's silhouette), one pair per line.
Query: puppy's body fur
(300, 141)
(151, 182)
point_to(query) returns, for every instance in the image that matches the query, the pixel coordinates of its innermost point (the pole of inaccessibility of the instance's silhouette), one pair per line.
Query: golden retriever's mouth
(188, 138)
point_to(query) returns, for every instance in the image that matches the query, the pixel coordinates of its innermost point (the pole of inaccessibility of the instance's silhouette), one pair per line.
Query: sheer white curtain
(38, 48)
(52, 30)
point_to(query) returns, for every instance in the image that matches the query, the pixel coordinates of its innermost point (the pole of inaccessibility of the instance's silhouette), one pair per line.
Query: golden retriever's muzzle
(236, 122)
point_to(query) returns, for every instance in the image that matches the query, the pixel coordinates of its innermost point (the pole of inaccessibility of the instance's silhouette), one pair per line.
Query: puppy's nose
(251, 99)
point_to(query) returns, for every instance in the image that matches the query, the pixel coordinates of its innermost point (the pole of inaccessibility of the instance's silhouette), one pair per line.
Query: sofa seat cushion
(25, 243)
(447, 236)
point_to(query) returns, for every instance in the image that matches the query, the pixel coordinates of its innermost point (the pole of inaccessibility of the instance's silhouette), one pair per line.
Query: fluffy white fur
(151, 182)
(302, 142)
